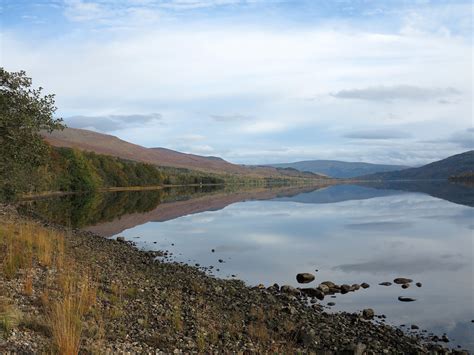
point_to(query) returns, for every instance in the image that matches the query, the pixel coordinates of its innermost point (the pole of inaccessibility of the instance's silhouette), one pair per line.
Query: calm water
(350, 234)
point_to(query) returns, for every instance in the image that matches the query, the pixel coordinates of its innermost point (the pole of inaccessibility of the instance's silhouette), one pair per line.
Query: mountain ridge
(438, 170)
(106, 144)
(338, 168)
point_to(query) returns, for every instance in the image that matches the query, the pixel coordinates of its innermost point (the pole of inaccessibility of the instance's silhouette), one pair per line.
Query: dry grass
(10, 315)
(66, 315)
(28, 284)
(67, 296)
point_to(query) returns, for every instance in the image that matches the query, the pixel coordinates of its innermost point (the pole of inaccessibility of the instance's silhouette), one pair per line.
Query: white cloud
(252, 78)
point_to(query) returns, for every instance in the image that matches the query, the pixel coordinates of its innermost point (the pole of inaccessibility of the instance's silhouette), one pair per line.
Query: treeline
(75, 170)
(84, 209)
(465, 177)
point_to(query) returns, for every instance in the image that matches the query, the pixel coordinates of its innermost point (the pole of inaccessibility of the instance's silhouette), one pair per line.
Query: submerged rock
(402, 280)
(385, 283)
(406, 299)
(305, 277)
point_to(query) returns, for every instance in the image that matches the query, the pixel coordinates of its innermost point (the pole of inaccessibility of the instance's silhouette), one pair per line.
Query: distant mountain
(443, 169)
(111, 145)
(339, 169)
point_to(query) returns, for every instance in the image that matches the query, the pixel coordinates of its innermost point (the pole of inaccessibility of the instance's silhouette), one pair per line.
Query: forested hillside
(74, 170)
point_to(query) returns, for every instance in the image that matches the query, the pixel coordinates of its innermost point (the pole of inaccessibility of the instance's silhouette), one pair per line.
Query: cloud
(396, 92)
(112, 122)
(378, 226)
(464, 139)
(408, 266)
(377, 134)
(230, 118)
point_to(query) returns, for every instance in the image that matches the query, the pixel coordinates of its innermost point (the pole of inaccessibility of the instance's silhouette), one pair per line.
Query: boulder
(345, 289)
(402, 280)
(289, 290)
(313, 292)
(305, 277)
(323, 288)
(364, 285)
(368, 313)
(385, 283)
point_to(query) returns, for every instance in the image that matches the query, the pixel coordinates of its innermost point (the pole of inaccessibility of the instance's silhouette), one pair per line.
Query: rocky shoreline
(147, 305)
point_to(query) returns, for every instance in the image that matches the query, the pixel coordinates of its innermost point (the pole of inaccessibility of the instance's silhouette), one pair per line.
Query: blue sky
(256, 81)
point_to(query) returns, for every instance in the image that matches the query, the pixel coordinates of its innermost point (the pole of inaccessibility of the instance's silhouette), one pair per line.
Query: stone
(364, 285)
(305, 277)
(405, 286)
(331, 304)
(289, 290)
(313, 292)
(329, 284)
(386, 283)
(121, 239)
(323, 288)
(414, 327)
(406, 299)
(402, 280)
(419, 284)
(368, 313)
(345, 289)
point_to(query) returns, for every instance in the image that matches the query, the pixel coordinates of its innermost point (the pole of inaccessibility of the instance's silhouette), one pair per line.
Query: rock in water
(323, 288)
(305, 278)
(368, 313)
(345, 289)
(405, 285)
(329, 284)
(331, 304)
(313, 292)
(418, 284)
(402, 280)
(364, 285)
(386, 283)
(406, 299)
(121, 239)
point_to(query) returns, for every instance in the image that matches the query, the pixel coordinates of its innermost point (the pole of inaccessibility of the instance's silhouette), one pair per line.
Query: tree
(24, 112)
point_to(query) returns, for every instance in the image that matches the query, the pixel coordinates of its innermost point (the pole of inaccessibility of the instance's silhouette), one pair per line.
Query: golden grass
(10, 315)
(68, 295)
(28, 284)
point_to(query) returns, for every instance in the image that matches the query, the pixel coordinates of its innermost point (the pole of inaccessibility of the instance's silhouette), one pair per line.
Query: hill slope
(111, 145)
(339, 169)
(442, 169)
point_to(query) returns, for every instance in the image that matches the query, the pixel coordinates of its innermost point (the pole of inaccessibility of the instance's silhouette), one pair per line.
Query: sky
(256, 81)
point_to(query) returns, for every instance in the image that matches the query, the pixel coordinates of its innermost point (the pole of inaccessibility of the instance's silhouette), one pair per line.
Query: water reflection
(350, 234)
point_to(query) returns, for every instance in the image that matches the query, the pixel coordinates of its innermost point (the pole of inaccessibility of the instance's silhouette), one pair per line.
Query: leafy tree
(24, 112)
